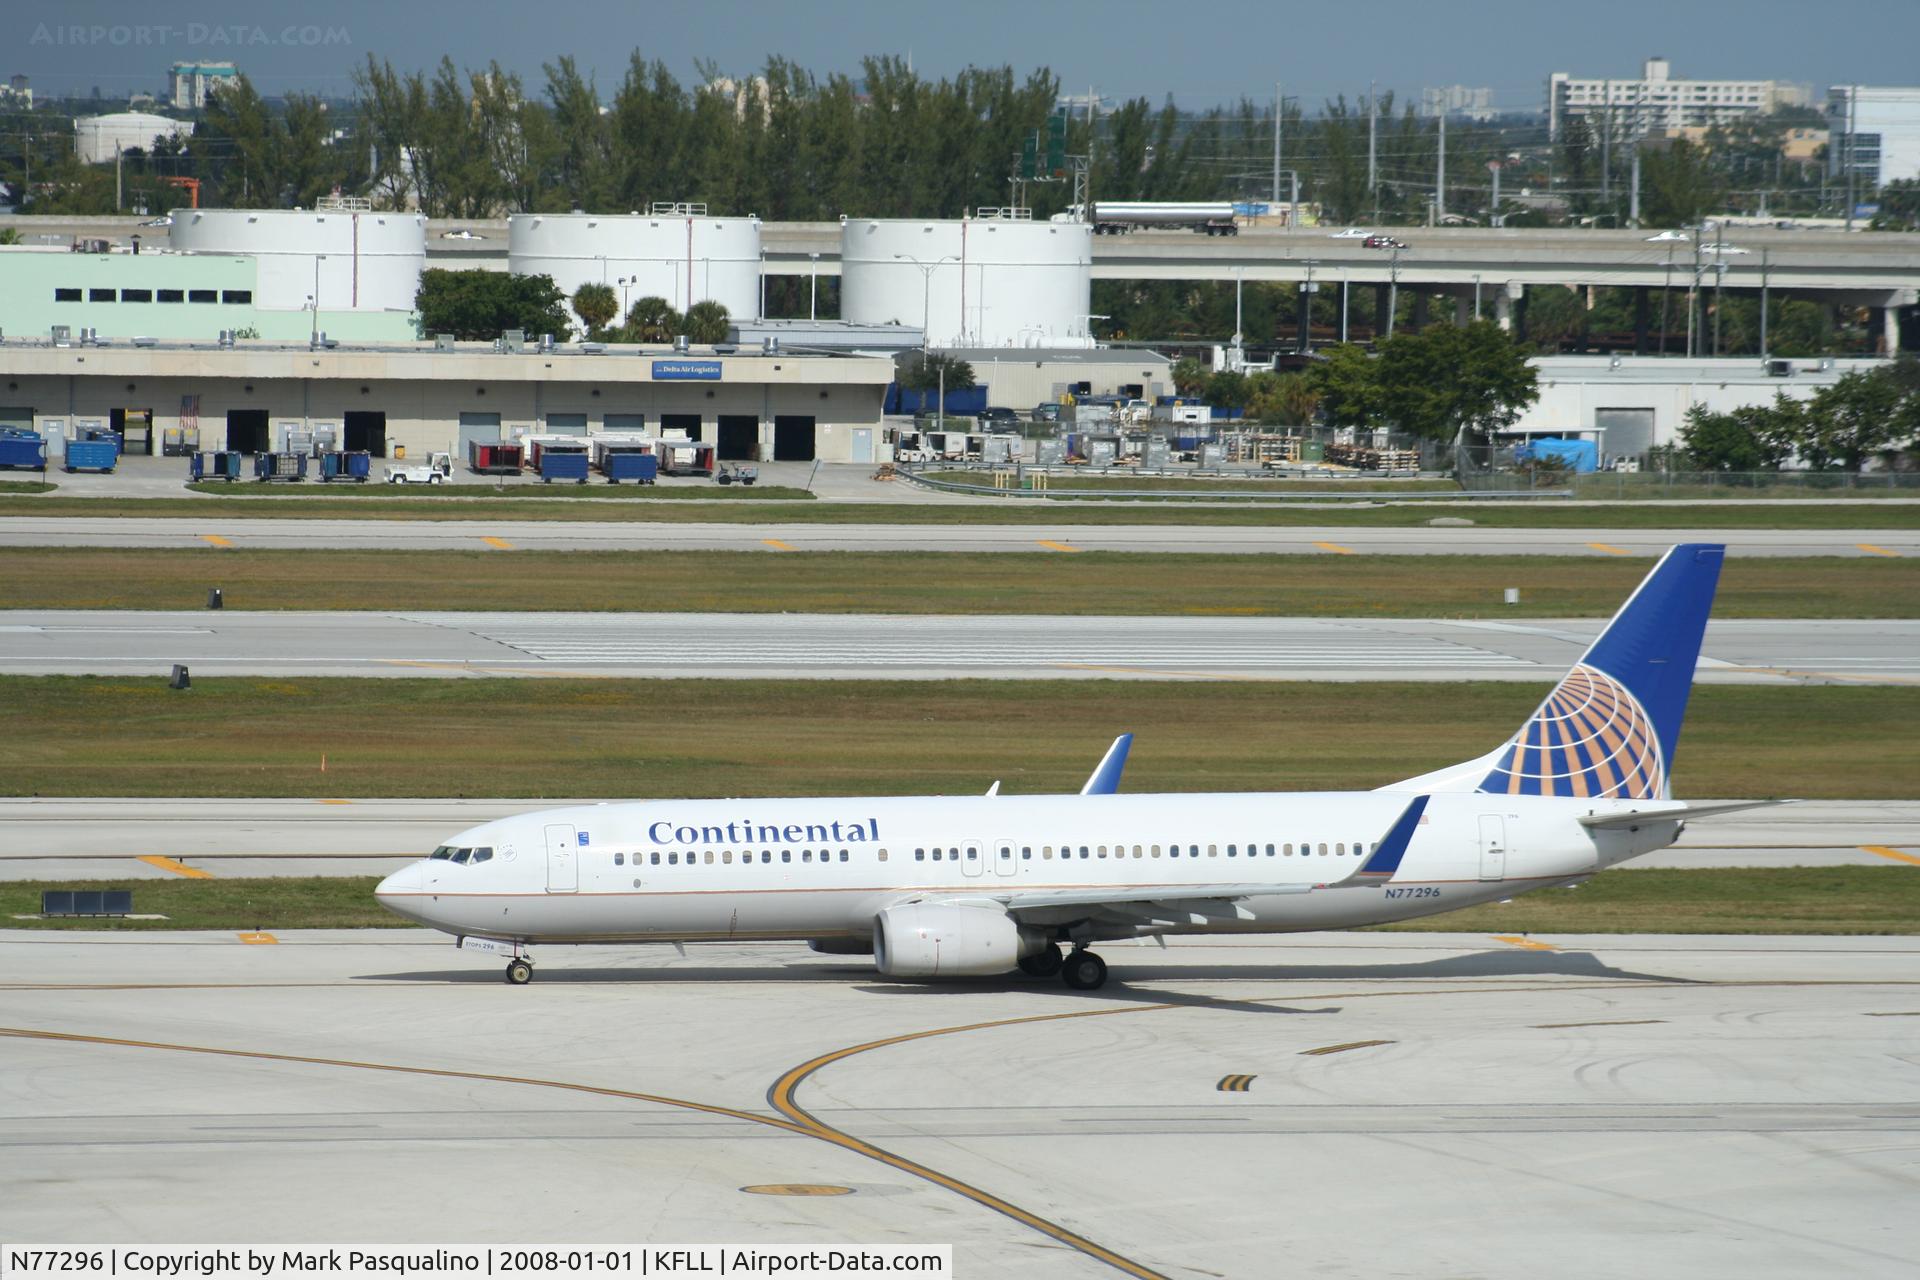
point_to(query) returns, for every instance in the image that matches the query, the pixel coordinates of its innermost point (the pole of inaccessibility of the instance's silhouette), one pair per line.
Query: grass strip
(1106, 583)
(227, 736)
(1770, 900)
(309, 505)
(1839, 900)
(26, 486)
(1609, 486)
(519, 490)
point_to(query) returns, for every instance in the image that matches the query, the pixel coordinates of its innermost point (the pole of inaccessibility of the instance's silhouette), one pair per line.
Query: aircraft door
(1493, 847)
(563, 860)
(1006, 858)
(971, 859)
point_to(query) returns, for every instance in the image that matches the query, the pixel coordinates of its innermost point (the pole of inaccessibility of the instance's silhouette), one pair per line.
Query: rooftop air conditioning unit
(770, 345)
(1779, 368)
(443, 342)
(143, 342)
(226, 337)
(513, 341)
(546, 342)
(682, 343)
(62, 335)
(593, 348)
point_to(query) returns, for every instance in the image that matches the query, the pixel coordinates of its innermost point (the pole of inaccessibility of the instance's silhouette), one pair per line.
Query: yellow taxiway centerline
(1336, 548)
(1872, 550)
(214, 539)
(1610, 549)
(499, 544)
(777, 545)
(178, 868)
(1515, 940)
(1895, 854)
(1059, 546)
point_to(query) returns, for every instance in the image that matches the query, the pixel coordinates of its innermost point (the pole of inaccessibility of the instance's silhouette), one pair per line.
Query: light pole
(1763, 304)
(926, 291)
(1476, 298)
(1393, 289)
(317, 260)
(624, 282)
(813, 286)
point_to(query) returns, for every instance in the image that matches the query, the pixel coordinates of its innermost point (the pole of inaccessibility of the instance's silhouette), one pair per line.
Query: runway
(103, 838)
(880, 646)
(1034, 539)
(1596, 1106)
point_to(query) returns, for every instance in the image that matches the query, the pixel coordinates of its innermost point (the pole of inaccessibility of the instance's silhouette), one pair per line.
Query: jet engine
(920, 940)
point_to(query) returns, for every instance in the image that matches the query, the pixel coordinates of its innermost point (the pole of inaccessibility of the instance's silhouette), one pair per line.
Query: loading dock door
(366, 432)
(484, 427)
(792, 438)
(136, 430)
(739, 438)
(247, 430)
(687, 424)
(563, 866)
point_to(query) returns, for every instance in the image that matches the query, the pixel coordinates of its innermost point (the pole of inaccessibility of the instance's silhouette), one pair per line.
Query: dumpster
(352, 466)
(280, 466)
(629, 464)
(23, 449)
(495, 457)
(216, 466)
(563, 464)
(92, 455)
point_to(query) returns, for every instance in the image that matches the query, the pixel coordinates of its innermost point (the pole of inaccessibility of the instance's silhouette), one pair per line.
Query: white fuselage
(824, 868)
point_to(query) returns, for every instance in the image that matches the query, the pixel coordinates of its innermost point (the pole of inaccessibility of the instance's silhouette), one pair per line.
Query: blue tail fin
(1610, 728)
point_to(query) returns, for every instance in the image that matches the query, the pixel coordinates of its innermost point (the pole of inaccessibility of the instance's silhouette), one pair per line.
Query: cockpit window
(481, 855)
(442, 854)
(461, 855)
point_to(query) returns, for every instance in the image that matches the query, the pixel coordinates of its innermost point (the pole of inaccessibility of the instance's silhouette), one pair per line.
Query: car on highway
(1351, 233)
(1382, 242)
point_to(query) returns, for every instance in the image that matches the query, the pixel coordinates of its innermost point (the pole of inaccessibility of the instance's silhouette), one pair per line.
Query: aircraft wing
(1671, 813)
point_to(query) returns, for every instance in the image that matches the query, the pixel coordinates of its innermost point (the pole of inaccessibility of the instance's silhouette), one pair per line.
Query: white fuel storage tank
(353, 260)
(988, 281)
(682, 257)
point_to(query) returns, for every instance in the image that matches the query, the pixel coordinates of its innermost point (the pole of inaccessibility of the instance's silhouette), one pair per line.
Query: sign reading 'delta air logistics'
(686, 371)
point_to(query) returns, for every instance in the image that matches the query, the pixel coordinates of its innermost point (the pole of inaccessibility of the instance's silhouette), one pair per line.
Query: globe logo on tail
(1590, 738)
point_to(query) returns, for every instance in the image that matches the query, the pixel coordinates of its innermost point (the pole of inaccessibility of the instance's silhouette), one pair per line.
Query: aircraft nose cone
(408, 879)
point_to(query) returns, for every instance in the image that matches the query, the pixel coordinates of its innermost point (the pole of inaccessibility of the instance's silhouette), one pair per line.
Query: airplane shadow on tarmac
(1125, 971)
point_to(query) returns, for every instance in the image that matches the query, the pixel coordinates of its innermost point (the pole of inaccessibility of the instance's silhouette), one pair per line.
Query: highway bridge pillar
(1890, 329)
(1462, 312)
(1640, 295)
(1518, 292)
(1503, 310)
(1382, 303)
(1419, 312)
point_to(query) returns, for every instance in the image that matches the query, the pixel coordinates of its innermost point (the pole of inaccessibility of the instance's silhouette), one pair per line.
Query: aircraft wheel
(519, 972)
(1042, 964)
(1084, 971)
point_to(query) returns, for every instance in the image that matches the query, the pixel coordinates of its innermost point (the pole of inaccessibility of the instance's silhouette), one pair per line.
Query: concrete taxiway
(877, 646)
(155, 839)
(1327, 1104)
(1035, 539)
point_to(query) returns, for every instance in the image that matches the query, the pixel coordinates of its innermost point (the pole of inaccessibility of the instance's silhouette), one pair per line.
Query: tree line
(1865, 415)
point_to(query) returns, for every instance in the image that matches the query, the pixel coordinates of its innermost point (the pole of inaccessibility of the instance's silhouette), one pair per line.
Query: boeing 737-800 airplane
(933, 886)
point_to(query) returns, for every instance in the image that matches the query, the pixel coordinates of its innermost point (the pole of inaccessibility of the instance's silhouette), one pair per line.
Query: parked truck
(1117, 217)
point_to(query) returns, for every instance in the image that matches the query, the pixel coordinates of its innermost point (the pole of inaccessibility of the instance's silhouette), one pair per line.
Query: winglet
(1385, 861)
(1105, 780)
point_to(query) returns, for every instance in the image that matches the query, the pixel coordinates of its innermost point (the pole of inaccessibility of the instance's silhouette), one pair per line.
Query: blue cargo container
(216, 466)
(280, 466)
(92, 455)
(24, 450)
(555, 465)
(625, 465)
(355, 466)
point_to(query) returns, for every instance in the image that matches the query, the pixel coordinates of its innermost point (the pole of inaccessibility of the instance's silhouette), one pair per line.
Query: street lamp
(624, 282)
(926, 289)
(813, 285)
(1476, 297)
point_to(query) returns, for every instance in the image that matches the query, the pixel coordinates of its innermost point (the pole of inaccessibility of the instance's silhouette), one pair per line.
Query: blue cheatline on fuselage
(1610, 728)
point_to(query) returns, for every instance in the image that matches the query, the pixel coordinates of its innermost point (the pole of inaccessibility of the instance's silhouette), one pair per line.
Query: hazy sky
(1201, 53)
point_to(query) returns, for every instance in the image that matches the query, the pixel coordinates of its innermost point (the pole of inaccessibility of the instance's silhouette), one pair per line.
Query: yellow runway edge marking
(178, 868)
(1872, 550)
(1059, 546)
(216, 540)
(1324, 1050)
(1336, 548)
(257, 938)
(777, 545)
(498, 543)
(1895, 854)
(1610, 549)
(1515, 940)
(336, 802)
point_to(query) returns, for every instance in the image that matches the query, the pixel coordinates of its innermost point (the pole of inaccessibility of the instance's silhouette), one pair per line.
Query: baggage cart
(280, 466)
(23, 450)
(92, 455)
(354, 466)
(560, 462)
(630, 464)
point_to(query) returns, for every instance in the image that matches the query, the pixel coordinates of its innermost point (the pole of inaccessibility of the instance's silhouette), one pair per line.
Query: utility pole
(1763, 304)
(1633, 197)
(1847, 150)
(1393, 291)
(1606, 142)
(1373, 135)
(1279, 104)
(1440, 182)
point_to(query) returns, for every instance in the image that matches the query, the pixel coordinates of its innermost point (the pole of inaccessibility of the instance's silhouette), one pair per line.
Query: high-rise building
(1876, 130)
(188, 83)
(1656, 104)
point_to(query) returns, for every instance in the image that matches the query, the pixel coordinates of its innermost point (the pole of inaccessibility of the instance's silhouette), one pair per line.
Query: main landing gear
(519, 971)
(1082, 970)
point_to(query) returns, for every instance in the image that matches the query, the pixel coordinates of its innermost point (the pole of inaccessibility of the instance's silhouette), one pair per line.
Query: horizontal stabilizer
(1105, 780)
(1671, 813)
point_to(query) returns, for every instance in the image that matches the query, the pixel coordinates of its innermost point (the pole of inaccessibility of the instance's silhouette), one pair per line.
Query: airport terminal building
(255, 396)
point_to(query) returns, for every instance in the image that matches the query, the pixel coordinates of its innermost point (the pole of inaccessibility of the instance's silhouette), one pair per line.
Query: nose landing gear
(519, 971)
